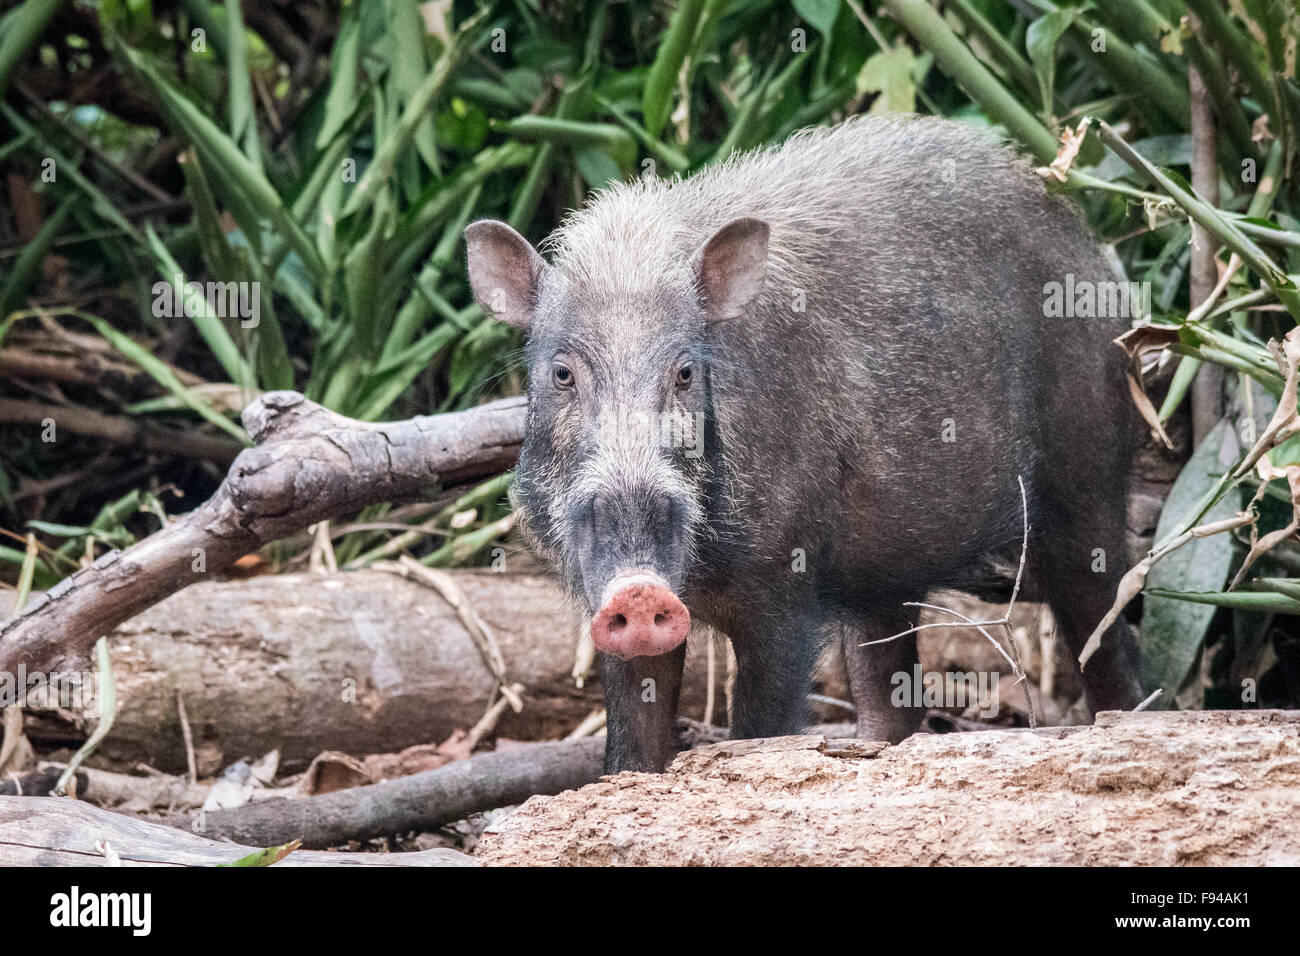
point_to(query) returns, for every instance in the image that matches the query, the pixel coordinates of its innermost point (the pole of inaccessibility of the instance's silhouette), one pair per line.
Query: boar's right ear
(730, 267)
(504, 271)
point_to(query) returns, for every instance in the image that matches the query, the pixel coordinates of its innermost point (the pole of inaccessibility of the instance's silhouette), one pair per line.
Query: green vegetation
(332, 155)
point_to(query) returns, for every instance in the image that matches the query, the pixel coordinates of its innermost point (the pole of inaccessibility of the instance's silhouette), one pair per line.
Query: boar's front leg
(774, 662)
(641, 710)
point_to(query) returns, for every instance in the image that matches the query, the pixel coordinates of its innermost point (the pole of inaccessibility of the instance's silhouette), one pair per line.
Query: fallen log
(1193, 788)
(424, 800)
(309, 465)
(363, 662)
(368, 662)
(421, 801)
(56, 831)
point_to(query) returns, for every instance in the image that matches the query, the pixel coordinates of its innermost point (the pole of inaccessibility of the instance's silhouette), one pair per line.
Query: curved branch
(310, 464)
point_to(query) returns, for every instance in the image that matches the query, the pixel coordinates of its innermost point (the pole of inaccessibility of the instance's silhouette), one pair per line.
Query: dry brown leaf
(1136, 342)
(1071, 142)
(1130, 586)
(419, 758)
(1285, 422)
(331, 771)
(1259, 131)
(1263, 545)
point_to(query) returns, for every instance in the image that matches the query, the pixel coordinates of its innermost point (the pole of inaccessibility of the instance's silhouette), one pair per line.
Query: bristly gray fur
(631, 235)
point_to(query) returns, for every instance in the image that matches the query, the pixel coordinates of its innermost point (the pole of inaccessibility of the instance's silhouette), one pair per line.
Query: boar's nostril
(661, 617)
(617, 623)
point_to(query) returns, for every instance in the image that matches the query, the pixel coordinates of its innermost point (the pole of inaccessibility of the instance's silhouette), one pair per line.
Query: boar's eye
(685, 375)
(561, 375)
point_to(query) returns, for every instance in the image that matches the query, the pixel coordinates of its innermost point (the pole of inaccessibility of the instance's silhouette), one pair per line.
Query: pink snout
(639, 617)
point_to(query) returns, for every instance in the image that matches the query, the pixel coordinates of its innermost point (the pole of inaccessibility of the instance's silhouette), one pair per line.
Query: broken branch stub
(309, 464)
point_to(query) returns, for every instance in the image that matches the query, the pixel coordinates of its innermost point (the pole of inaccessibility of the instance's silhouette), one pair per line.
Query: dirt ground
(1206, 789)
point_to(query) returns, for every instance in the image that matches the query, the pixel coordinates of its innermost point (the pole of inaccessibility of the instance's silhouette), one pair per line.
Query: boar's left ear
(504, 271)
(730, 267)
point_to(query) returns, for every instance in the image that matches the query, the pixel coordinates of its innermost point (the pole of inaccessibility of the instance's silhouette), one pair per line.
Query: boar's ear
(730, 267)
(504, 271)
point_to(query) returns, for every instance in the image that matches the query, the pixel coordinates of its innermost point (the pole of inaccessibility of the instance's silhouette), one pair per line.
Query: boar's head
(614, 473)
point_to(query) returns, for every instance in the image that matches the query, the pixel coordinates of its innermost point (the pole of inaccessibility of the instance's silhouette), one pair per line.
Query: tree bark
(421, 801)
(1208, 788)
(310, 464)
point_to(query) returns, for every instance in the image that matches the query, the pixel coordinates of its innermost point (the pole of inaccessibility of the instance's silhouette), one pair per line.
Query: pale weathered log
(363, 662)
(105, 788)
(310, 464)
(53, 831)
(1198, 788)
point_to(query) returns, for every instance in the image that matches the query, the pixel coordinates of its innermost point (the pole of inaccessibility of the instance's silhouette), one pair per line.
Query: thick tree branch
(427, 799)
(310, 464)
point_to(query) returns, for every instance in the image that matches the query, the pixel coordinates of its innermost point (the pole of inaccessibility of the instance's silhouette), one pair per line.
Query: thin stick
(321, 559)
(488, 722)
(832, 702)
(107, 711)
(593, 723)
(1004, 621)
(1150, 700)
(187, 737)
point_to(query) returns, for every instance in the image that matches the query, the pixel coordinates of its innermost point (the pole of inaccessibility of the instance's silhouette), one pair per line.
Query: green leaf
(272, 854)
(408, 68)
(23, 27)
(66, 167)
(1173, 149)
(384, 163)
(162, 374)
(341, 99)
(596, 167)
(60, 530)
(208, 324)
(1208, 601)
(616, 142)
(1174, 627)
(1040, 43)
(820, 14)
(243, 114)
(657, 98)
(24, 270)
(889, 73)
(224, 161)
